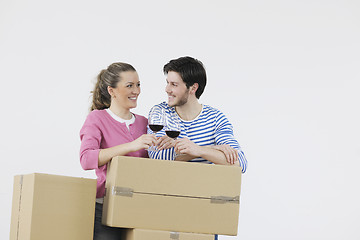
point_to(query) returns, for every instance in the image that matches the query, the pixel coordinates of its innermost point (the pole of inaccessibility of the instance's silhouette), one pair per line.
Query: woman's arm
(143, 142)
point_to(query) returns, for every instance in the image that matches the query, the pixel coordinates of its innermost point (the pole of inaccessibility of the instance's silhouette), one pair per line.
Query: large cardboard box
(143, 234)
(172, 196)
(52, 207)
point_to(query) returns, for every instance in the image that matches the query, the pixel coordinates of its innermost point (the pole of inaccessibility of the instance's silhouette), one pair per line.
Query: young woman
(111, 129)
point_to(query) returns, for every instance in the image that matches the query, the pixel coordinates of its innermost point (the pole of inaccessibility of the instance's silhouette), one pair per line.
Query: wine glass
(156, 121)
(172, 128)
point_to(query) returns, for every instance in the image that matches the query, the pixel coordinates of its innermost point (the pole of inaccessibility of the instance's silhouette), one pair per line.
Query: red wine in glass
(155, 127)
(172, 133)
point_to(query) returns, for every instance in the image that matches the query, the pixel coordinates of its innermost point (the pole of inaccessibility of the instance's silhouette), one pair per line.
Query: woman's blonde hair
(107, 77)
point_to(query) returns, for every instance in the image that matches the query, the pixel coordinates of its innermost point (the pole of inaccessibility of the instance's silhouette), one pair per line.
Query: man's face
(176, 90)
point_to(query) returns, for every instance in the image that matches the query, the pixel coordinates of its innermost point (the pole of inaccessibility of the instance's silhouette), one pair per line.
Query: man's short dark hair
(191, 71)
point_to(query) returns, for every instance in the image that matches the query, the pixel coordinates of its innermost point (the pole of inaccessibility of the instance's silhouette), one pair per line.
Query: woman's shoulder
(96, 115)
(140, 118)
(95, 119)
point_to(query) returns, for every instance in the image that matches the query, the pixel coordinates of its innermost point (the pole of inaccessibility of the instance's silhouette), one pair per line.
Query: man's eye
(138, 84)
(129, 86)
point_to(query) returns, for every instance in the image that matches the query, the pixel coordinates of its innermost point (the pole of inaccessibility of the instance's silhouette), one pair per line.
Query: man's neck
(190, 110)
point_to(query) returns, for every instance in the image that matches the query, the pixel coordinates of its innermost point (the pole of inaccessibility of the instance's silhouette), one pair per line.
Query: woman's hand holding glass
(145, 141)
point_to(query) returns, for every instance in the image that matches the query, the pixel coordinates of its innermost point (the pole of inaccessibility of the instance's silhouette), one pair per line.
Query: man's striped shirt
(210, 128)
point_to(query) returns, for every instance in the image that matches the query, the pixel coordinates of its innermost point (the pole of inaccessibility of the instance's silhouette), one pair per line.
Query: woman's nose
(137, 90)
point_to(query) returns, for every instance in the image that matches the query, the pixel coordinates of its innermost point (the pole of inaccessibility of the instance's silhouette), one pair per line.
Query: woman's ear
(110, 91)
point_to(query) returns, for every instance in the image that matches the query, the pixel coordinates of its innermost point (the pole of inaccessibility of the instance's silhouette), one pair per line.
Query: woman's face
(127, 91)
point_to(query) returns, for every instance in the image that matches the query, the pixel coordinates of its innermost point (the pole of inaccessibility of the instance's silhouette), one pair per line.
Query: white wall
(284, 72)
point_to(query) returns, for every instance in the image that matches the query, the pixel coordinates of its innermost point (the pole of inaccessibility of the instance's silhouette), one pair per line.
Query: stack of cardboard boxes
(152, 199)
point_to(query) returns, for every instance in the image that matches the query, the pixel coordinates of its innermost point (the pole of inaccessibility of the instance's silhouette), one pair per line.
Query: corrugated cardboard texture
(52, 207)
(172, 196)
(142, 234)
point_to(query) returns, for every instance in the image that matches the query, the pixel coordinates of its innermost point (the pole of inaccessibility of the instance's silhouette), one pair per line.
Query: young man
(206, 135)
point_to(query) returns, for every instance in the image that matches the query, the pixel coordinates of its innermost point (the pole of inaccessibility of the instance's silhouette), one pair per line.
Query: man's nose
(167, 89)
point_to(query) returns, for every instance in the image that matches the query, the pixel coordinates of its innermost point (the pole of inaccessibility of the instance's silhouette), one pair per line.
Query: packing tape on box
(174, 235)
(129, 192)
(122, 191)
(225, 199)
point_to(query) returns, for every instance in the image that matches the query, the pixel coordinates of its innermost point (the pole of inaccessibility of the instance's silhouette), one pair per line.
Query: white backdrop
(284, 72)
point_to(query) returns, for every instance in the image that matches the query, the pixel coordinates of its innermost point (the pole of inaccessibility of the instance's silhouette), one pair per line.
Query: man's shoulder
(215, 113)
(210, 109)
(162, 105)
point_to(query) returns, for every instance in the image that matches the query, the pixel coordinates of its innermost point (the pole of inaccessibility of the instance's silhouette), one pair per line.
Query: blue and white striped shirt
(210, 128)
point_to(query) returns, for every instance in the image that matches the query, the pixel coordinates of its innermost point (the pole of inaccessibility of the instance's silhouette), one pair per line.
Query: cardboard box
(172, 196)
(52, 207)
(142, 234)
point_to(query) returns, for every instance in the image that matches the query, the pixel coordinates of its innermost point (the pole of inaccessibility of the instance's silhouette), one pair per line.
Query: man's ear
(194, 88)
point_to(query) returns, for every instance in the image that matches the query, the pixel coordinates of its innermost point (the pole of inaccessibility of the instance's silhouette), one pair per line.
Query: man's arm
(224, 135)
(189, 150)
(230, 153)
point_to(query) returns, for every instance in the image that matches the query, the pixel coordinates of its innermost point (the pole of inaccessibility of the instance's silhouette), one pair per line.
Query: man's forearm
(192, 150)
(215, 156)
(209, 154)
